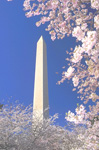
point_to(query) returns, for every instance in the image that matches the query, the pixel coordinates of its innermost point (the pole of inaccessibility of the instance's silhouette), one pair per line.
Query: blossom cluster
(91, 120)
(19, 130)
(57, 12)
(85, 61)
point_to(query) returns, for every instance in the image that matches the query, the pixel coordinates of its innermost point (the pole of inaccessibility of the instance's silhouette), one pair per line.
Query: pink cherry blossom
(95, 4)
(89, 41)
(78, 33)
(29, 14)
(75, 80)
(77, 55)
(69, 72)
(96, 21)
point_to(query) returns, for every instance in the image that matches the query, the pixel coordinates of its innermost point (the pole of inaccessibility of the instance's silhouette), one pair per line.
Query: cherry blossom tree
(20, 131)
(91, 121)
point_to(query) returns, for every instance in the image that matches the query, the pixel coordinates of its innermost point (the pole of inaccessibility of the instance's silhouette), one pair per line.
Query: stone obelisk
(40, 103)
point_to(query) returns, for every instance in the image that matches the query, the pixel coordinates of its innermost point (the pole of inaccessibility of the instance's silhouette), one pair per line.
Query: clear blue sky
(18, 38)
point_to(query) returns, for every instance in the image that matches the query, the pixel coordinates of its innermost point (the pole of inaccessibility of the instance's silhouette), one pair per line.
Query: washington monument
(40, 102)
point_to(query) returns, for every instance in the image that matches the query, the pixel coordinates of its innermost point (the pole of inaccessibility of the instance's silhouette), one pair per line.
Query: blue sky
(18, 38)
